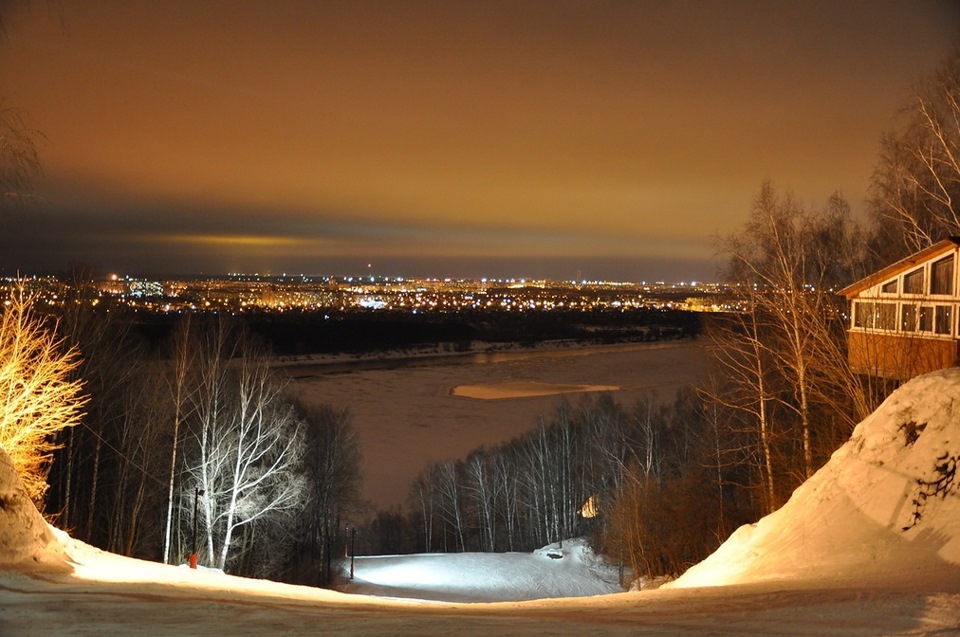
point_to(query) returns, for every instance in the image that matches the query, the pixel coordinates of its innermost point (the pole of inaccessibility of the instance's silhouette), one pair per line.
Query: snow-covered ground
(569, 569)
(868, 546)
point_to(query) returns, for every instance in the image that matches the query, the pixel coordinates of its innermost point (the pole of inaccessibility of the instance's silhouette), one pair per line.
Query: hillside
(869, 545)
(886, 504)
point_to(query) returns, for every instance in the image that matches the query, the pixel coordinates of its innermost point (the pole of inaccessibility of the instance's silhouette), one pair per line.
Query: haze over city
(545, 139)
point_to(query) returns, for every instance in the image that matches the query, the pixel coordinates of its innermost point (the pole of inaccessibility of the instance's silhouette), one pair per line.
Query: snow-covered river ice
(405, 414)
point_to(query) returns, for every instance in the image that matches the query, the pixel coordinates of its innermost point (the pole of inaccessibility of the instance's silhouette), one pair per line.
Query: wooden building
(904, 317)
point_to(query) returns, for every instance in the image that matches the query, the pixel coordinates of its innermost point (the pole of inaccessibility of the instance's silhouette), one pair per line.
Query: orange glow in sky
(612, 138)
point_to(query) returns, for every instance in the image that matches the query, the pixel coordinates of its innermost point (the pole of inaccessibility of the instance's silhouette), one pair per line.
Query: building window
(926, 318)
(913, 282)
(941, 276)
(942, 322)
(860, 312)
(908, 317)
(878, 316)
(886, 316)
(865, 314)
(890, 287)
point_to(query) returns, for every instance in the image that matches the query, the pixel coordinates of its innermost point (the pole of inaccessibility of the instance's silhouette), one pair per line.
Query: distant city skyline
(598, 140)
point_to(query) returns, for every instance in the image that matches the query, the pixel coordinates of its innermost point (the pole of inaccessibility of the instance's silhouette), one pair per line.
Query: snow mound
(550, 572)
(887, 503)
(26, 540)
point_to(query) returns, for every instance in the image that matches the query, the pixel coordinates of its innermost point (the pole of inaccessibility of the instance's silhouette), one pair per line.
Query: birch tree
(916, 183)
(480, 487)
(423, 494)
(248, 441)
(786, 262)
(181, 363)
(449, 489)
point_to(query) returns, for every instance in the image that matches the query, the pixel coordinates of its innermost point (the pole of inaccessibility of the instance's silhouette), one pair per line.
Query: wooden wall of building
(899, 356)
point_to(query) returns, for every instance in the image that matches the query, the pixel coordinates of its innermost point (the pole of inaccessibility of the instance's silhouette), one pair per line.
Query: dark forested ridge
(303, 333)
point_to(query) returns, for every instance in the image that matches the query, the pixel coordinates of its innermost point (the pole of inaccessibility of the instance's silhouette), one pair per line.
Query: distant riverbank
(434, 355)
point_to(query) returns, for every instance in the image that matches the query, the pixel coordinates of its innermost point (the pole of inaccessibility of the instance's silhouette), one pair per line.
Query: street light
(353, 539)
(196, 500)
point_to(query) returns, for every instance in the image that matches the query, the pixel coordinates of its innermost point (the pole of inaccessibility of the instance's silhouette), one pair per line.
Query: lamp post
(196, 501)
(353, 539)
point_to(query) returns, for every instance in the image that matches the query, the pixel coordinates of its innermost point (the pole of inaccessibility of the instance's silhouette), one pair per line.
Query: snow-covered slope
(25, 538)
(887, 503)
(850, 554)
(553, 571)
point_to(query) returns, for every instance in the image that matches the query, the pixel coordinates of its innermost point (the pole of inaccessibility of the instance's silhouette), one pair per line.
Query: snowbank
(887, 503)
(26, 539)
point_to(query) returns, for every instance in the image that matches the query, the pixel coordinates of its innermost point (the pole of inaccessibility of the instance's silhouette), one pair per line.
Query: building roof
(893, 269)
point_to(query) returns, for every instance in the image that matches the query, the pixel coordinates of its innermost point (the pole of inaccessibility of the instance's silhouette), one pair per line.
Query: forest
(187, 442)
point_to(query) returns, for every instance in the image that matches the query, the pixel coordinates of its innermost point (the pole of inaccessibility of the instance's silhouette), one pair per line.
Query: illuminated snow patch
(550, 572)
(523, 389)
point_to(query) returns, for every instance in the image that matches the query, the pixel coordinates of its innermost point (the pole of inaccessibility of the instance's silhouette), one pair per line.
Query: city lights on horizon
(256, 292)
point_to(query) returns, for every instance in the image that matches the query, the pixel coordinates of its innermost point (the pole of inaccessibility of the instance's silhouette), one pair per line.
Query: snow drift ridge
(25, 537)
(888, 501)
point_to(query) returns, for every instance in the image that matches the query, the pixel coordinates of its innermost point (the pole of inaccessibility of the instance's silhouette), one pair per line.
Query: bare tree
(479, 488)
(136, 462)
(916, 183)
(787, 262)
(423, 493)
(211, 427)
(745, 363)
(449, 489)
(507, 487)
(248, 444)
(330, 467)
(182, 361)
(19, 160)
(37, 396)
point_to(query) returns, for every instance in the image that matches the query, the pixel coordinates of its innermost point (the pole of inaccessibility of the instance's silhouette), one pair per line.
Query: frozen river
(405, 415)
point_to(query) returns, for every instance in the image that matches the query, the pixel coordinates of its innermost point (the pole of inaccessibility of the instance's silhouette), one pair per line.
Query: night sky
(557, 139)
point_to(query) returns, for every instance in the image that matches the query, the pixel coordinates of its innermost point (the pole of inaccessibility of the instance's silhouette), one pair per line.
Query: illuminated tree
(248, 443)
(449, 487)
(481, 489)
(37, 397)
(744, 387)
(787, 262)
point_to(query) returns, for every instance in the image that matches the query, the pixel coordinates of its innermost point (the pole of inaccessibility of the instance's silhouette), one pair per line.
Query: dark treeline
(305, 333)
